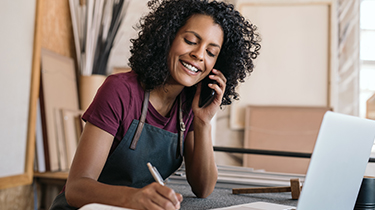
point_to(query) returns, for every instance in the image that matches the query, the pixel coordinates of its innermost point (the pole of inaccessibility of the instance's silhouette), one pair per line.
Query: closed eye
(210, 53)
(189, 42)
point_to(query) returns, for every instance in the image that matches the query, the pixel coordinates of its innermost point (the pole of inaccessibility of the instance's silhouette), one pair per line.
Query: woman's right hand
(156, 196)
(83, 188)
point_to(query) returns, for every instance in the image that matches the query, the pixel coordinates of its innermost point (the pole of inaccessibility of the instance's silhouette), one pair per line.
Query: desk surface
(229, 177)
(223, 197)
(234, 177)
(220, 198)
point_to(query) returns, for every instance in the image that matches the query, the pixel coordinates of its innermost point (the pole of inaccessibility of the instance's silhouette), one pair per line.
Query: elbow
(70, 197)
(203, 194)
(205, 189)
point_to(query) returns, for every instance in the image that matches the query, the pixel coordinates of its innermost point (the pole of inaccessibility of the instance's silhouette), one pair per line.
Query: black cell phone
(207, 94)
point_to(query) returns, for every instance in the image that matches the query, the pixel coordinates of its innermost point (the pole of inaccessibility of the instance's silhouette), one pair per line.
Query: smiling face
(194, 50)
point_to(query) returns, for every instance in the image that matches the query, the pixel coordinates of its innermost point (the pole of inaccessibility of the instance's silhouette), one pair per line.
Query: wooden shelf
(60, 175)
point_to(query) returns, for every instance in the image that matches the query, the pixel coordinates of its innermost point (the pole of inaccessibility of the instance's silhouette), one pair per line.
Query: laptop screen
(338, 163)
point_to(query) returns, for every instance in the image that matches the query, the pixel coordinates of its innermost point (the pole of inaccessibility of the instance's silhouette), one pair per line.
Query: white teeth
(190, 67)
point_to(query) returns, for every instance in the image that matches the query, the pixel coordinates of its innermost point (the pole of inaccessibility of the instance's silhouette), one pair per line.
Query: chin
(190, 83)
(187, 81)
(186, 84)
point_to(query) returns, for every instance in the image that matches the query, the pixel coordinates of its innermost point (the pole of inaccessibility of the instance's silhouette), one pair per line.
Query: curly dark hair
(159, 28)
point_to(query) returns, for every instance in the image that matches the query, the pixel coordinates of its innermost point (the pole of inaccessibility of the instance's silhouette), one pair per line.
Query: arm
(200, 163)
(82, 186)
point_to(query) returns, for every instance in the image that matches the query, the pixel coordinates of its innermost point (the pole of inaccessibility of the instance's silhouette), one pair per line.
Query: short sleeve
(107, 108)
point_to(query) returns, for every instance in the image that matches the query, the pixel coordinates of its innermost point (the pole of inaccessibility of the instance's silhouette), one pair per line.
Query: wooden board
(281, 128)
(59, 87)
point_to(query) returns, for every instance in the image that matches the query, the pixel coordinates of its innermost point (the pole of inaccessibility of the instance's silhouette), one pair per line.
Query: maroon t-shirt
(119, 100)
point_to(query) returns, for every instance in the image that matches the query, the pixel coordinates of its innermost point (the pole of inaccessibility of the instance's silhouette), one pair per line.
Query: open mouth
(190, 67)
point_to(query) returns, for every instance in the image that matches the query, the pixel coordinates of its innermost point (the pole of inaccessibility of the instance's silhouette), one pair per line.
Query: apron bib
(141, 144)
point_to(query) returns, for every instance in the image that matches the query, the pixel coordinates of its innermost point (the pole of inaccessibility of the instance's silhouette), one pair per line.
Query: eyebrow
(200, 38)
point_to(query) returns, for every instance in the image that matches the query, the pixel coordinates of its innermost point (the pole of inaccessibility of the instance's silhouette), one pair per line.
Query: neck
(163, 98)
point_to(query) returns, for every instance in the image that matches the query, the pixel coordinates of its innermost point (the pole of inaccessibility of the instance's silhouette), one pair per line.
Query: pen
(154, 172)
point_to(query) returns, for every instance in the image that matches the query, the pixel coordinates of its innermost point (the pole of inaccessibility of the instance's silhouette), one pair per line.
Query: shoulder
(119, 90)
(120, 84)
(114, 100)
(127, 79)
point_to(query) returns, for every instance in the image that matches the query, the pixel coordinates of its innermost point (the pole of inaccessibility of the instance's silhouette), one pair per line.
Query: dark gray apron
(142, 143)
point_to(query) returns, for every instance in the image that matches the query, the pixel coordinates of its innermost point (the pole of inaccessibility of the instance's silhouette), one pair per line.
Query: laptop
(336, 168)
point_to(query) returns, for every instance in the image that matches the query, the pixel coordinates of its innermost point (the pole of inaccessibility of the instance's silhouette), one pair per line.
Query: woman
(151, 114)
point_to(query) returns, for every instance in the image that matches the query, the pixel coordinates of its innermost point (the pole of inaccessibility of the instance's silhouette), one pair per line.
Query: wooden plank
(62, 175)
(57, 32)
(261, 190)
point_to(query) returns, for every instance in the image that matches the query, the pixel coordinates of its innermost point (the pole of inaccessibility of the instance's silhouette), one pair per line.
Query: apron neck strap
(181, 129)
(142, 120)
(181, 125)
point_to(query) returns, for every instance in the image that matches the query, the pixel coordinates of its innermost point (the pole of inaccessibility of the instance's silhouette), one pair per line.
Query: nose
(198, 53)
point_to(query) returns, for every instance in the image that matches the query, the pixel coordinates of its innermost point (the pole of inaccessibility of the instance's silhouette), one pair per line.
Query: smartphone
(207, 94)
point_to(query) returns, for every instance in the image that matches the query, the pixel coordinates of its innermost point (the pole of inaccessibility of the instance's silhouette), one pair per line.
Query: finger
(218, 89)
(170, 195)
(148, 198)
(152, 205)
(163, 203)
(180, 197)
(158, 201)
(219, 74)
(220, 79)
(220, 83)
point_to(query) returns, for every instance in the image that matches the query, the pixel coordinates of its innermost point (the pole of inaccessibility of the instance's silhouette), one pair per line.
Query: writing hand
(156, 196)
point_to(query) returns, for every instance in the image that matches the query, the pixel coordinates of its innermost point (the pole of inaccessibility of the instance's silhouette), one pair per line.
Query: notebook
(98, 206)
(336, 168)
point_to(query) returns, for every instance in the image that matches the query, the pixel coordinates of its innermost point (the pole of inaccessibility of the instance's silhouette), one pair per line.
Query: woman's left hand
(198, 152)
(207, 113)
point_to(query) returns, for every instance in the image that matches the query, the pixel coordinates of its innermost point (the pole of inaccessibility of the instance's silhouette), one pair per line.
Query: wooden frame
(27, 177)
(329, 100)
